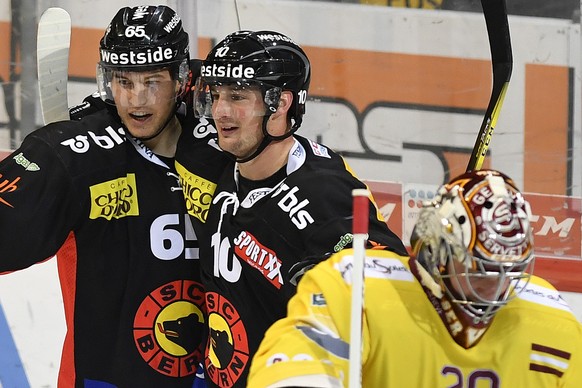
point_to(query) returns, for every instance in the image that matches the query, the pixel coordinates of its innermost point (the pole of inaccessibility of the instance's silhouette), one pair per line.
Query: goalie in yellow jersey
(463, 311)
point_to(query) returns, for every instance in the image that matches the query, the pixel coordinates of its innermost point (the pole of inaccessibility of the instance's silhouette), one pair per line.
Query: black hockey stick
(495, 13)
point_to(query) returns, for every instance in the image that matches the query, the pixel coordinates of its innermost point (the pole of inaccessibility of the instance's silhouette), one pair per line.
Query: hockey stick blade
(495, 14)
(52, 55)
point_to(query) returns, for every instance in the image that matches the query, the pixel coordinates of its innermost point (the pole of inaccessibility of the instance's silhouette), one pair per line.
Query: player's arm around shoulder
(91, 104)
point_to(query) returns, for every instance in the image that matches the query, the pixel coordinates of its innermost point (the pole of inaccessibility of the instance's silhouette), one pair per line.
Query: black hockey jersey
(127, 252)
(260, 237)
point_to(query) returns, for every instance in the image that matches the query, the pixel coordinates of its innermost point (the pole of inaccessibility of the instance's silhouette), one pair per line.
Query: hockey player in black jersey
(103, 194)
(282, 198)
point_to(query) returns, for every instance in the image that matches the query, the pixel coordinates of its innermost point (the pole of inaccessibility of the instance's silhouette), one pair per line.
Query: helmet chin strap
(264, 143)
(267, 139)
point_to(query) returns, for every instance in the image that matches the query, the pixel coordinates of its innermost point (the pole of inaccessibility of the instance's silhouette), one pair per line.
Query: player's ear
(285, 101)
(284, 104)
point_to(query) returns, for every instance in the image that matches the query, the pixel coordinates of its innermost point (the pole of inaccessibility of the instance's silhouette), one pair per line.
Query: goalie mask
(475, 242)
(143, 40)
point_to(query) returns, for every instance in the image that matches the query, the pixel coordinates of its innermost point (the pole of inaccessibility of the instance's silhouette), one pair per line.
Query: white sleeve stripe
(549, 361)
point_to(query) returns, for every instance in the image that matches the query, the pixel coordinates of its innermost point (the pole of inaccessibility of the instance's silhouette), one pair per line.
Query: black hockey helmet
(267, 58)
(143, 38)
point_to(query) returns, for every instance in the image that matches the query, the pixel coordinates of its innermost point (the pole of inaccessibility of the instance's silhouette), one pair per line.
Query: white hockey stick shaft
(52, 55)
(361, 211)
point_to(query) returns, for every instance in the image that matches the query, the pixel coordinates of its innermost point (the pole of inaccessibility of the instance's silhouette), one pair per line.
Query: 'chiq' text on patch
(116, 198)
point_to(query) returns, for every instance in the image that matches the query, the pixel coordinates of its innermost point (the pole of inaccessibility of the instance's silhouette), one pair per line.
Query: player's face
(477, 288)
(238, 114)
(144, 100)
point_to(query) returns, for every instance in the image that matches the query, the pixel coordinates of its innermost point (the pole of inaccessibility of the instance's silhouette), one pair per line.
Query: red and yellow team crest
(227, 353)
(169, 328)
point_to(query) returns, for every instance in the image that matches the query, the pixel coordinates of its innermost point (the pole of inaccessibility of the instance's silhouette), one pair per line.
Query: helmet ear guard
(272, 98)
